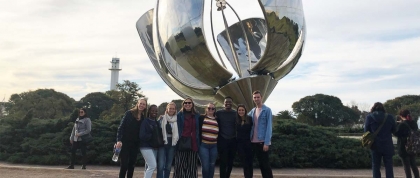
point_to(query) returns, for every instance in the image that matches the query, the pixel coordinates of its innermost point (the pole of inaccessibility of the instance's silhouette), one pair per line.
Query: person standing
(186, 157)
(209, 130)
(128, 137)
(243, 132)
(262, 120)
(147, 149)
(226, 141)
(382, 147)
(170, 136)
(403, 131)
(81, 127)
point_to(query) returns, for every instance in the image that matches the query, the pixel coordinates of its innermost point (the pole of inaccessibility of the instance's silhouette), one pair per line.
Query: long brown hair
(239, 118)
(192, 107)
(135, 109)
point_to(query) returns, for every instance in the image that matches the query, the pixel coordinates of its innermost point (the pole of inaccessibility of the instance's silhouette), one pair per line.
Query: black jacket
(403, 131)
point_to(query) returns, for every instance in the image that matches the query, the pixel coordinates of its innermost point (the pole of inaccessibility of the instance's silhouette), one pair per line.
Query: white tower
(115, 69)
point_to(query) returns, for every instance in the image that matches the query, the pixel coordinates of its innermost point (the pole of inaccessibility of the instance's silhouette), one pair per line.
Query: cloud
(361, 51)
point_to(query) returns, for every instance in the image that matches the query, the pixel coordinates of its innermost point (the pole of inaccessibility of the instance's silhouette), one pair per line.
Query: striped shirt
(210, 131)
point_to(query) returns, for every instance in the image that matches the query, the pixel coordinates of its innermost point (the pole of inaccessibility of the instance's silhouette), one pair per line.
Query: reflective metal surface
(266, 49)
(255, 33)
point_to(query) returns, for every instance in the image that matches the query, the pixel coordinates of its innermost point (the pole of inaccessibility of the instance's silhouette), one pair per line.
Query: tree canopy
(323, 110)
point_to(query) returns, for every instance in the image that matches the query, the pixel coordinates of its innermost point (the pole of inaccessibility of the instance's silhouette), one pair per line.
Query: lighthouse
(115, 69)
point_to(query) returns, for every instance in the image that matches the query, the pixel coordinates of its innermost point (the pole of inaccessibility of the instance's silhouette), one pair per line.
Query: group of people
(190, 137)
(383, 147)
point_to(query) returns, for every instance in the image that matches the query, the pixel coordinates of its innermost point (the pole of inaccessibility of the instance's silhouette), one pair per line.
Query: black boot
(70, 167)
(83, 166)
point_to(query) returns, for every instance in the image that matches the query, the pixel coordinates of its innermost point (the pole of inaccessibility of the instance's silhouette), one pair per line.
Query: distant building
(115, 69)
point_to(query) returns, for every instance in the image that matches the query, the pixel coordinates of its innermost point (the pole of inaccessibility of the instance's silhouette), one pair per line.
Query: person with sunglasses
(186, 156)
(81, 127)
(226, 141)
(209, 130)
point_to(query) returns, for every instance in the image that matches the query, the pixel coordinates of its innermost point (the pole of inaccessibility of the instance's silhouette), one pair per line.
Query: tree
(46, 104)
(285, 114)
(126, 95)
(323, 110)
(410, 102)
(95, 103)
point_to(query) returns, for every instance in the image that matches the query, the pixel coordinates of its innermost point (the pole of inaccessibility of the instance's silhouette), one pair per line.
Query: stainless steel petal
(180, 26)
(145, 29)
(243, 95)
(285, 19)
(255, 31)
(293, 59)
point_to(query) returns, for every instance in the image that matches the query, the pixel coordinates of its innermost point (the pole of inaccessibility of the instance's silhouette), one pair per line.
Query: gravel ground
(39, 171)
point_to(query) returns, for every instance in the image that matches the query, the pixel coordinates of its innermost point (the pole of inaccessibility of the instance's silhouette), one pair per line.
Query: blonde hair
(192, 107)
(206, 109)
(167, 107)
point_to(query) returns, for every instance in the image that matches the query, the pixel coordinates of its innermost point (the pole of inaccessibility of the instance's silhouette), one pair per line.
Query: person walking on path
(382, 147)
(209, 130)
(186, 156)
(128, 137)
(243, 132)
(226, 141)
(262, 120)
(81, 127)
(170, 136)
(403, 131)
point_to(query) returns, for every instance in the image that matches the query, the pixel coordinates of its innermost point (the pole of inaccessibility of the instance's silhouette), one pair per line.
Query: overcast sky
(360, 51)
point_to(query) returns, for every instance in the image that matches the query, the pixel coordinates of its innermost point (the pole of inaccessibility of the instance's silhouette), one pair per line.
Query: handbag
(368, 138)
(87, 138)
(184, 144)
(157, 136)
(168, 128)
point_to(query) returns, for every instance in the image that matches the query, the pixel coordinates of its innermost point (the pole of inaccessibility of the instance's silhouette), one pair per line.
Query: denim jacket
(265, 124)
(180, 122)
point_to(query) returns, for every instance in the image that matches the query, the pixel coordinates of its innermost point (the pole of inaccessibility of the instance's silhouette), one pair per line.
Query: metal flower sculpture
(260, 51)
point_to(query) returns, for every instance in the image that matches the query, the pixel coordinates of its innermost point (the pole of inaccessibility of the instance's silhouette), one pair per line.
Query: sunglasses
(187, 102)
(211, 109)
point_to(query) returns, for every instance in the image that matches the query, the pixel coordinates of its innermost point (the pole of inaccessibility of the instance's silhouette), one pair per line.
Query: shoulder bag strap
(380, 127)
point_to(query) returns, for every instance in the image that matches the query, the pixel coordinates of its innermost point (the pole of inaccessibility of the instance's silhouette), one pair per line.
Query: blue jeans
(149, 156)
(376, 164)
(208, 156)
(165, 157)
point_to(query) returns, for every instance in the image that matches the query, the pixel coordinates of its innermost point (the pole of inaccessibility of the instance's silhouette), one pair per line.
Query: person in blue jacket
(382, 147)
(188, 129)
(261, 133)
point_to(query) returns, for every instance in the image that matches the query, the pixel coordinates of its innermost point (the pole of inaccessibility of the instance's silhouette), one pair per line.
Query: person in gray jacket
(82, 126)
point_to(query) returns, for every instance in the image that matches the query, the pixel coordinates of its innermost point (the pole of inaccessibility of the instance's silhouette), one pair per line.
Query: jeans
(165, 157)
(263, 160)
(78, 145)
(149, 156)
(376, 164)
(227, 151)
(208, 156)
(409, 163)
(246, 155)
(128, 158)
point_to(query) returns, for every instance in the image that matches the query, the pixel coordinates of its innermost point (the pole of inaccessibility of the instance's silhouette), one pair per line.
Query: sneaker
(84, 167)
(70, 167)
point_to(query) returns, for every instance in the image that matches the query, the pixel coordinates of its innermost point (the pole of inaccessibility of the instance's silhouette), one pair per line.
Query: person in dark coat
(382, 147)
(404, 128)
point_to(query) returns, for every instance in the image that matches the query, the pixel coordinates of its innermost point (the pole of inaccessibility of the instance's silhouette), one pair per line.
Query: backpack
(413, 142)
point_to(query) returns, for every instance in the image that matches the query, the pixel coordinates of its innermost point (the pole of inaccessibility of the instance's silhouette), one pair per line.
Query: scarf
(171, 119)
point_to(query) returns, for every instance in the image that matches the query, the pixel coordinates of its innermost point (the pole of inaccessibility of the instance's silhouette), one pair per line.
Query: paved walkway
(40, 171)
